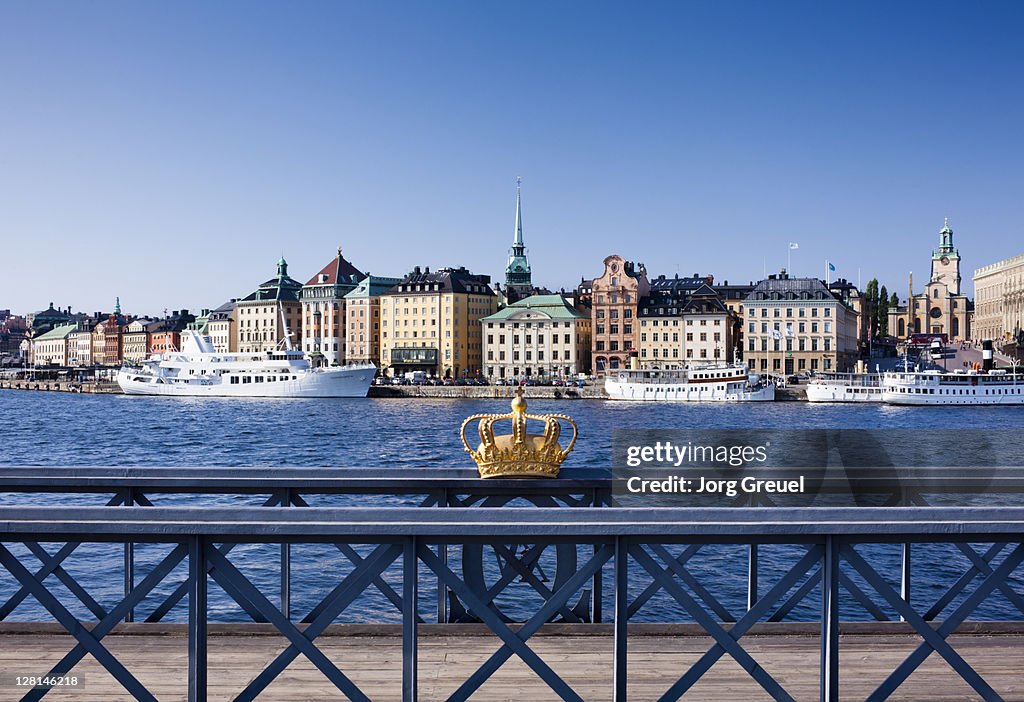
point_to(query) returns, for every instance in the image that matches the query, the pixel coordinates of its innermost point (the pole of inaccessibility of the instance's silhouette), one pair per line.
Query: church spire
(517, 273)
(517, 241)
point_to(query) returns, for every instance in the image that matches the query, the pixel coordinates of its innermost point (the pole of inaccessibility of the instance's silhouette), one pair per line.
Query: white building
(541, 336)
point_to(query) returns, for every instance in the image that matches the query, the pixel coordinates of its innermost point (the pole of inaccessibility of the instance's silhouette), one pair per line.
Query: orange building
(616, 294)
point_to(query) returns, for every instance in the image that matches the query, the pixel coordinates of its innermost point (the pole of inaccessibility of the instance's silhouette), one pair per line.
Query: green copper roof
(552, 306)
(60, 332)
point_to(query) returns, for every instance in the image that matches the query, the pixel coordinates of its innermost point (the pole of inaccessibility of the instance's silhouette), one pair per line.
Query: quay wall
(487, 392)
(61, 386)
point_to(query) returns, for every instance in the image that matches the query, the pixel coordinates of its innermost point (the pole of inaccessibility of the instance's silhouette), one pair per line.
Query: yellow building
(222, 328)
(51, 348)
(431, 322)
(362, 319)
(797, 324)
(271, 317)
(684, 321)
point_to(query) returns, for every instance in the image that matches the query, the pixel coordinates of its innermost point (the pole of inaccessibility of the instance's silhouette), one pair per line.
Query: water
(104, 430)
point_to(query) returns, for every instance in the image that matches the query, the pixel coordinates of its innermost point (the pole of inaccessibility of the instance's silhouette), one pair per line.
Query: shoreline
(456, 392)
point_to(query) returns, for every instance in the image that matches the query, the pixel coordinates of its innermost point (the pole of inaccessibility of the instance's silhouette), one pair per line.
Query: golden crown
(519, 454)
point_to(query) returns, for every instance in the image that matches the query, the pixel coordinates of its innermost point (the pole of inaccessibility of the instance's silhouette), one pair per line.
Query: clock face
(944, 260)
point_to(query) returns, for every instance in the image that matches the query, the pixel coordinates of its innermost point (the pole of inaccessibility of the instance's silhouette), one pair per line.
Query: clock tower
(946, 261)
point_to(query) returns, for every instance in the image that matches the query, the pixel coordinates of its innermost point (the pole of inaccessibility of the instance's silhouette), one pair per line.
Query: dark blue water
(86, 430)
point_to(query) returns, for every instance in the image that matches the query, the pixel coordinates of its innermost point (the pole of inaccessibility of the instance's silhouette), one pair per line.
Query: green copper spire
(282, 268)
(117, 305)
(518, 279)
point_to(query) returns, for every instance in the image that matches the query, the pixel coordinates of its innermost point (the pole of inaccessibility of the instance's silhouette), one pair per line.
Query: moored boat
(995, 387)
(200, 371)
(845, 387)
(710, 383)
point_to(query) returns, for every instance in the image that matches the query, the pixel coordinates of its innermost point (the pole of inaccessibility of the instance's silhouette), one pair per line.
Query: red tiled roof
(339, 267)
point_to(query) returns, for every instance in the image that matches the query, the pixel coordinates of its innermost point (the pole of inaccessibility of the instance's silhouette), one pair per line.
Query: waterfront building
(362, 318)
(80, 346)
(431, 322)
(941, 308)
(859, 303)
(323, 309)
(136, 338)
(51, 347)
(201, 323)
(165, 335)
(222, 327)
(270, 317)
(797, 324)
(615, 295)
(541, 336)
(108, 338)
(518, 276)
(999, 304)
(734, 295)
(13, 329)
(43, 321)
(684, 321)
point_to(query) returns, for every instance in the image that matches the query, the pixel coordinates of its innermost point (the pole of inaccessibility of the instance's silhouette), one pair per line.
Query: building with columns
(616, 295)
(941, 308)
(323, 309)
(999, 304)
(541, 336)
(270, 317)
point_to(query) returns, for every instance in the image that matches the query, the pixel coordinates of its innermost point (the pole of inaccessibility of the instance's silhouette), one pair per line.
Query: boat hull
(828, 392)
(684, 392)
(329, 382)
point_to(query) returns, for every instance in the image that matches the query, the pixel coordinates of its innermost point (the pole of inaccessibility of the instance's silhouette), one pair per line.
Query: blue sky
(170, 153)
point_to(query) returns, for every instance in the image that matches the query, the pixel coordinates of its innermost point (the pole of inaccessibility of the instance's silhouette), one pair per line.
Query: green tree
(871, 293)
(883, 312)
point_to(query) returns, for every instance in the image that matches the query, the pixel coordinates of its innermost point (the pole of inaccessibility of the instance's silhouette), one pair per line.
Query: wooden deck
(371, 656)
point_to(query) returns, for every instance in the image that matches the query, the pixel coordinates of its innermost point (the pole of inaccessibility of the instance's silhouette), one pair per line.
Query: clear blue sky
(169, 153)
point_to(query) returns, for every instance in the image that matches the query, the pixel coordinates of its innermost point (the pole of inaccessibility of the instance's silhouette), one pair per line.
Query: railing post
(905, 577)
(197, 619)
(830, 621)
(596, 602)
(442, 554)
(286, 564)
(410, 589)
(129, 559)
(621, 618)
(752, 595)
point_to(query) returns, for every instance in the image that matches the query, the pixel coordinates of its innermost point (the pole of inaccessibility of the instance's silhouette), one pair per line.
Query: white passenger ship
(712, 383)
(845, 387)
(198, 370)
(995, 387)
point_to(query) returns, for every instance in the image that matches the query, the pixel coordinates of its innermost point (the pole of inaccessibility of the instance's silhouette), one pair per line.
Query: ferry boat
(994, 387)
(198, 370)
(711, 383)
(845, 387)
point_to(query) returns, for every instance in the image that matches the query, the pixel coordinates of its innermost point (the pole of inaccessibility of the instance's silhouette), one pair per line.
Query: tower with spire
(518, 278)
(946, 261)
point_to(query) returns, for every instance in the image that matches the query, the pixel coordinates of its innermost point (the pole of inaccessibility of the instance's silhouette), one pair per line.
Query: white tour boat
(711, 383)
(995, 387)
(845, 387)
(199, 370)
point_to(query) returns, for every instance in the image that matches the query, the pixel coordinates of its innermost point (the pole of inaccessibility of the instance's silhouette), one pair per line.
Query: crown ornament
(519, 454)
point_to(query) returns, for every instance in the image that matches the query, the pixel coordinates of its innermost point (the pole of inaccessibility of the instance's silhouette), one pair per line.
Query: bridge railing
(649, 547)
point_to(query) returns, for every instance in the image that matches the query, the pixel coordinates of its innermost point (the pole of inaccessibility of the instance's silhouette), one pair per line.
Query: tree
(871, 293)
(882, 318)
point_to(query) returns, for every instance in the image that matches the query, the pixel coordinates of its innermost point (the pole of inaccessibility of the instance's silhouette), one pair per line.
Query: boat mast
(284, 325)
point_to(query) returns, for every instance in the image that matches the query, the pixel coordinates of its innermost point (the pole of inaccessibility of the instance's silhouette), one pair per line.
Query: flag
(831, 267)
(789, 330)
(776, 334)
(793, 246)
